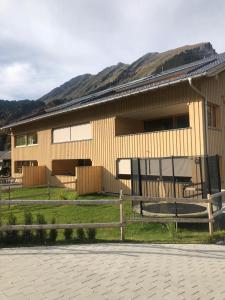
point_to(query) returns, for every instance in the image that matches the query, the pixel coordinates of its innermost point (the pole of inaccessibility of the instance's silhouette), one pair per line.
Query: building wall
(214, 89)
(105, 147)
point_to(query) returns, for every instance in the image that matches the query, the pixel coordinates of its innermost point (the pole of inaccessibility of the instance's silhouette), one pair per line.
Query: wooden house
(145, 124)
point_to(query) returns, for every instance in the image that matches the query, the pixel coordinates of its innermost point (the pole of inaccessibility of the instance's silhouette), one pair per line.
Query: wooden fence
(36, 175)
(123, 220)
(89, 179)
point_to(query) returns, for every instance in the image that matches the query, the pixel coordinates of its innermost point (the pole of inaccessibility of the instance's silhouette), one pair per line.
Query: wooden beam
(210, 214)
(59, 202)
(167, 200)
(169, 220)
(58, 226)
(122, 228)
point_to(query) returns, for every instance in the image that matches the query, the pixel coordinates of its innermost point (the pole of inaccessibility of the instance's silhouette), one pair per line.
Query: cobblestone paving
(113, 271)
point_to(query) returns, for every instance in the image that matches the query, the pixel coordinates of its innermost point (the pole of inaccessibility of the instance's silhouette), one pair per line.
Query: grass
(138, 232)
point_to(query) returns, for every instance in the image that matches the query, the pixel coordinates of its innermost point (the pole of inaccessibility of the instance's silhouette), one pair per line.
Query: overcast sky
(44, 43)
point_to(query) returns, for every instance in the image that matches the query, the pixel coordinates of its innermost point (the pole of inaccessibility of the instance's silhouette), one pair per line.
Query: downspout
(205, 116)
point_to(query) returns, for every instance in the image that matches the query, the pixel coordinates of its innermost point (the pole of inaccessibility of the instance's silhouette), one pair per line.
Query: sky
(44, 43)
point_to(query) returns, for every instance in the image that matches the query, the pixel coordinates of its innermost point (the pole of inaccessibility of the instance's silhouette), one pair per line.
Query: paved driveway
(113, 271)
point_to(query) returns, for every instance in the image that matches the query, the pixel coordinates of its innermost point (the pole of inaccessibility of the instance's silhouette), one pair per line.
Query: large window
(72, 133)
(168, 123)
(165, 169)
(26, 139)
(19, 164)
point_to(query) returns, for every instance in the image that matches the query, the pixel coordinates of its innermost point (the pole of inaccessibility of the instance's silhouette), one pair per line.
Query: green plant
(27, 235)
(80, 234)
(41, 234)
(11, 237)
(68, 232)
(171, 227)
(53, 232)
(63, 195)
(91, 234)
(1, 234)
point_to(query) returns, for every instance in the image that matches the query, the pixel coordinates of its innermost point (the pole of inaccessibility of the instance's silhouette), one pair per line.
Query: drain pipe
(205, 115)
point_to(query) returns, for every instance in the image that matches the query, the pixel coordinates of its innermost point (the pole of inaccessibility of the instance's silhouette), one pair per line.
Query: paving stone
(113, 271)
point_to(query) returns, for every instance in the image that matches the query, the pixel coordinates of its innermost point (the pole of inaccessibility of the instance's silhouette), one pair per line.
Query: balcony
(159, 133)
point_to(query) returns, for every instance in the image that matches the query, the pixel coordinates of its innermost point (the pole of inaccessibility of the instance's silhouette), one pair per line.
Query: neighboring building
(177, 113)
(5, 163)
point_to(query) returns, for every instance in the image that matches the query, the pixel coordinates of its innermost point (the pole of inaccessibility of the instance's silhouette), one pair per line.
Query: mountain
(14, 110)
(150, 63)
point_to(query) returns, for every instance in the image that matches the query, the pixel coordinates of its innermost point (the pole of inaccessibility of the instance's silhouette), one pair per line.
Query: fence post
(210, 215)
(0, 210)
(122, 232)
(49, 195)
(9, 190)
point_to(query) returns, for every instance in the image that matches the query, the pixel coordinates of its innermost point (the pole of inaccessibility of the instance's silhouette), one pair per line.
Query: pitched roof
(200, 68)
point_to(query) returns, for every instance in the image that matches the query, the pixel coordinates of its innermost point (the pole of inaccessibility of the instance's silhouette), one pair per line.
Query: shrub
(171, 227)
(27, 234)
(80, 234)
(68, 234)
(11, 237)
(53, 232)
(1, 234)
(63, 195)
(41, 234)
(91, 234)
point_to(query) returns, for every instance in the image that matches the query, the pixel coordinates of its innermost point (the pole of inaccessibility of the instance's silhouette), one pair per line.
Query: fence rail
(123, 221)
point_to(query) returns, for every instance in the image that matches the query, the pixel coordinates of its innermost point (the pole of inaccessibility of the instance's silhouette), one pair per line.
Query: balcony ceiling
(157, 112)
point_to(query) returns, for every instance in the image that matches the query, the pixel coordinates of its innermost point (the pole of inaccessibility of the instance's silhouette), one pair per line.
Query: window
(61, 135)
(124, 168)
(81, 132)
(26, 139)
(168, 123)
(24, 163)
(72, 133)
(168, 169)
(20, 140)
(67, 166)
(32, 139)
(211, 111)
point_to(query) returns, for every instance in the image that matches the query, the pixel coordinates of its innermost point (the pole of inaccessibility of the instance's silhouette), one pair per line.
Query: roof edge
(106, 100)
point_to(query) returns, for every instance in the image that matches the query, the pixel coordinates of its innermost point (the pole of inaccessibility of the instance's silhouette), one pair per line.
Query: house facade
(179, 113)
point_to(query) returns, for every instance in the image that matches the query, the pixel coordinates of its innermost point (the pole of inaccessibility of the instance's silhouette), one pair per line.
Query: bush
(91, 234)
(68, 232)
(53, 232)
(11, 237)
(27, 234)
(41, 234)
(1, 234)
(80, 234)
(171, 227)
(68, 195)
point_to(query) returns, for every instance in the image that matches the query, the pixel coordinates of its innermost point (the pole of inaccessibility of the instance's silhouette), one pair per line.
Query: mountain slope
(13, 110)
(150, 63)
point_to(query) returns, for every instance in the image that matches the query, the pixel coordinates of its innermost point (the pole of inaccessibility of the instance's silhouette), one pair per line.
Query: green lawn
(101, 213)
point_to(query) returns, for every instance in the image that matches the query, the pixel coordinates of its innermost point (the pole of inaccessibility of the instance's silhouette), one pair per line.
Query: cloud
(46, 42)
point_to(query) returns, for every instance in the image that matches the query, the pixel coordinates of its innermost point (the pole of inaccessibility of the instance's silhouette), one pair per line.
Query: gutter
(205, 115)
(106, 100)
